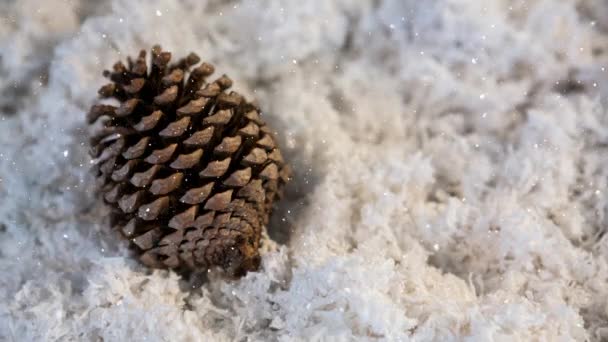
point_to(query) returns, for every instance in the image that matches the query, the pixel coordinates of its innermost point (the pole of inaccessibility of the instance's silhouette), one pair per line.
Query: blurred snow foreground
(450, 157)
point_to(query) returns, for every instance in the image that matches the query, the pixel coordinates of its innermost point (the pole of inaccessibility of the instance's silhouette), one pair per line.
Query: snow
(445, 189)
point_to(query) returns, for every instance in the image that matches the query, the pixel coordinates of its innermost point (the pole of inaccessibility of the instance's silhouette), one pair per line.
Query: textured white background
(444, 188)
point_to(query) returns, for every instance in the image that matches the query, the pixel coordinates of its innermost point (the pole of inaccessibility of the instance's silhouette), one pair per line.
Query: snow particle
(159, 13)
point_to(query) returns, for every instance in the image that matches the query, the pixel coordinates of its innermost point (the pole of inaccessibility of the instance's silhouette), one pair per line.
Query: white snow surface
(450, 157)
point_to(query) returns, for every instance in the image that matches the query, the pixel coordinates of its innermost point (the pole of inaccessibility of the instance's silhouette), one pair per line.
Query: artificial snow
(450, 158)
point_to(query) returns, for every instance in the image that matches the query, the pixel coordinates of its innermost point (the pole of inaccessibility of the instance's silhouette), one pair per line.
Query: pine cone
(189, 169)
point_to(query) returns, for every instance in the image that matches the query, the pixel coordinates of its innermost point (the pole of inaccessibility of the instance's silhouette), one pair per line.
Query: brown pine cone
(190, 170)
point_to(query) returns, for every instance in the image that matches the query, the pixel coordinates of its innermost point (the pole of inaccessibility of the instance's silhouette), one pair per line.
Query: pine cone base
(190, 170)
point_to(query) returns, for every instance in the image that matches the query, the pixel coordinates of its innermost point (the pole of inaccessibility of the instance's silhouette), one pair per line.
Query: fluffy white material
(450, 156)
